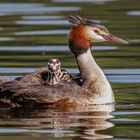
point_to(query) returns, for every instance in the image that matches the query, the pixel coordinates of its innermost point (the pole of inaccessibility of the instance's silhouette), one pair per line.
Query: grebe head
(54, 65)
(85, 32)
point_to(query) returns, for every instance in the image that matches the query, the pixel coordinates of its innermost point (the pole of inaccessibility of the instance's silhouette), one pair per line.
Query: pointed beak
(112, 38)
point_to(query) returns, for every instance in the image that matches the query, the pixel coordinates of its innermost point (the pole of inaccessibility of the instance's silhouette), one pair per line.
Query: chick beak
(110, 37)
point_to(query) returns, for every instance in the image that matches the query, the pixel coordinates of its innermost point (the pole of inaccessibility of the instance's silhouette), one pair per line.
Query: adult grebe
(95, 88)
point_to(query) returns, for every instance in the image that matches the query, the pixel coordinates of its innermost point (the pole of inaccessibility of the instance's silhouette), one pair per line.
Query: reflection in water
(22, 44)
(42, 22)
(74, 70)
(133, 13)
(114, 76)
(52, 48)
(135, 41)
(23, 8)
(83, 121)
(94, 1)
(43, 32)
(41, 17)
(6, 38)
(124, 78)
(113, 79)
(48, 22)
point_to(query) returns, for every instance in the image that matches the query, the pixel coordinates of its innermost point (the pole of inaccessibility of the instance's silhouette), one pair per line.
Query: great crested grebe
(95, 88)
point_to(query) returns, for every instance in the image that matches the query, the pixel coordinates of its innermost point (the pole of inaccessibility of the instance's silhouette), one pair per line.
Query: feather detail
(78, 39)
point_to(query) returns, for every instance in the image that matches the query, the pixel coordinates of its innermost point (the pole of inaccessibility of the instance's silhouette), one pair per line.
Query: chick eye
(96, 31)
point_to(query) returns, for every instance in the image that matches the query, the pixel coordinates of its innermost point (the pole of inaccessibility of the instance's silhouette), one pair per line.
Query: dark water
(31, 32)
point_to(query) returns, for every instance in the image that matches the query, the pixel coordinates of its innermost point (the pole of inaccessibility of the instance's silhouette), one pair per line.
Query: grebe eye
(96, 31)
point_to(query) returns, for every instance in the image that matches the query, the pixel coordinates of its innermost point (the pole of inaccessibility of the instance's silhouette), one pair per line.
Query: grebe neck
(89, 69)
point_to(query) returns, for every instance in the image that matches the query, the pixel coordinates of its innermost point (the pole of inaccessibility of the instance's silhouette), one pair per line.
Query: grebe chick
(51, 74)
(55, 74)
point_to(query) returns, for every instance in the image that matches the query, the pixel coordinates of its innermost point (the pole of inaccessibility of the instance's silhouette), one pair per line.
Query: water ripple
(18, 130)
(12, 130)
(51, 48)
(6, 38)
(124, 78)
(42, 22)
(133, 13)
(43, 32)
(114, 76)
(49, 22)
(28, 8)
(124, 120)
(79, 1)
(125, 113)
(123, 72)
(42, 17)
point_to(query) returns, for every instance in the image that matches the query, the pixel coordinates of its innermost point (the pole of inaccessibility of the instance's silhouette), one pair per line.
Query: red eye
(96, 31)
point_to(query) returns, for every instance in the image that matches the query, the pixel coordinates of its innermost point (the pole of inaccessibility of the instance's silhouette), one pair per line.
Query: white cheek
(95, 37)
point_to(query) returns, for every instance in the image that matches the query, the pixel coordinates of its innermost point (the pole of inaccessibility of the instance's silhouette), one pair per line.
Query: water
(33, 32)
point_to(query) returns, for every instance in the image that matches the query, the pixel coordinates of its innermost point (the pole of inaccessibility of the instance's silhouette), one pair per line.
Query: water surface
(32, 32)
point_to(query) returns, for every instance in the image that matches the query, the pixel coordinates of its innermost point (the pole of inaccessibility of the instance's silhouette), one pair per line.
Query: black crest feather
(81, 21)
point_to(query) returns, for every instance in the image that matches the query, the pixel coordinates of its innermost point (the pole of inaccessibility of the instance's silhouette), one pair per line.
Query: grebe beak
(110, 37)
